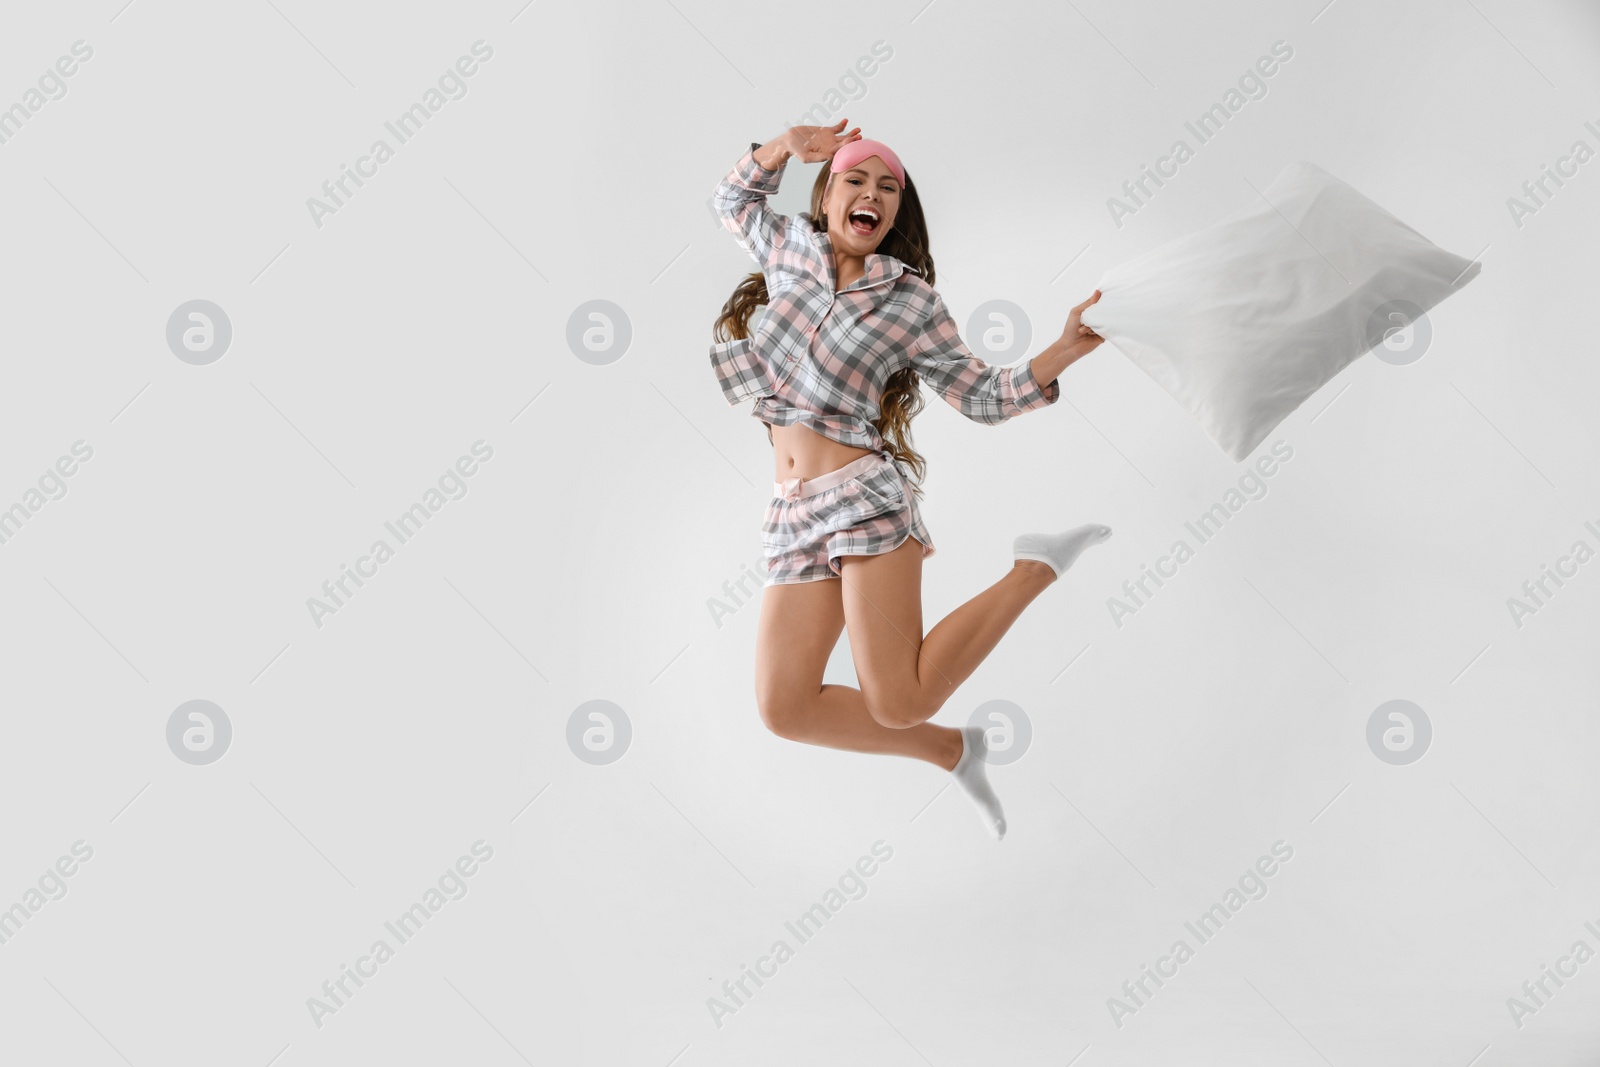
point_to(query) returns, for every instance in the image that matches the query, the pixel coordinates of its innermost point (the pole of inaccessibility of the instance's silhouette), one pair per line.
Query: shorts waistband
(796, 488)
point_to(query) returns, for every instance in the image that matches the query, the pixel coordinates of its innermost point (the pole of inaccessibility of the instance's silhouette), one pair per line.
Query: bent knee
(898, 714)
(783, 713)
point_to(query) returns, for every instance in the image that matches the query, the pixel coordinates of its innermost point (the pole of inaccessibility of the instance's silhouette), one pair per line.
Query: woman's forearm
(774, 153)
(1048, 365)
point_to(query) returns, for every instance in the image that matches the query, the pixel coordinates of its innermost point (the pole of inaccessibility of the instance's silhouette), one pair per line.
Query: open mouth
(864, 221)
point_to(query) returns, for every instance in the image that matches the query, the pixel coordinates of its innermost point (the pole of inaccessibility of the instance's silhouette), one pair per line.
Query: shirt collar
(879, 266)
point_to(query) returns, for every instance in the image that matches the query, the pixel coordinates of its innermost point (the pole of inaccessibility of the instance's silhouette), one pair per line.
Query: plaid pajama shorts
(865, 508)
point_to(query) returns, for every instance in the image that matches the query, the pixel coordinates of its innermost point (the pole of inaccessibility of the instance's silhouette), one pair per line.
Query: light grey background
(430, 712)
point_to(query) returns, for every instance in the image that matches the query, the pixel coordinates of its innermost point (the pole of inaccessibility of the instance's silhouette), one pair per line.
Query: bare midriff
(801, 452)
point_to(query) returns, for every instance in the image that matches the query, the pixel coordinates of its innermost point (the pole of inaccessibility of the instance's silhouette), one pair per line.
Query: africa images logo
(452, 86)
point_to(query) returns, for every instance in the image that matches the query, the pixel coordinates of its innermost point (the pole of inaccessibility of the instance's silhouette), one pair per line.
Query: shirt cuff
(1026, 392)
(753, 176)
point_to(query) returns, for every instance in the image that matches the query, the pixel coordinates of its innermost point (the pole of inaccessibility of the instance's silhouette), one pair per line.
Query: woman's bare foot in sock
(971, 774)
(1060, 550)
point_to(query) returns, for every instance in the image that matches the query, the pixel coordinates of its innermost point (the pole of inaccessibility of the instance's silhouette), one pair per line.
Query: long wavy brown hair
(906, 241)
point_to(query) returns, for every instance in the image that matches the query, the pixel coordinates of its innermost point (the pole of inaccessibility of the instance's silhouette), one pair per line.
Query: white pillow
(1245, 319)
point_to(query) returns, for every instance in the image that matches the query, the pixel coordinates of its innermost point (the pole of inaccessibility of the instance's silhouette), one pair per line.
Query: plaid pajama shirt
(822, 357)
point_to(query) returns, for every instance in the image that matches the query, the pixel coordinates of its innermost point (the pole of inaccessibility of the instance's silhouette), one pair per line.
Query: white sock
(1061, 549)
(971, 773)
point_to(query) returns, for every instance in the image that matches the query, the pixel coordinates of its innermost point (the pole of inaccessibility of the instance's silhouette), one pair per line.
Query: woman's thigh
(882, 602)
(799, 624)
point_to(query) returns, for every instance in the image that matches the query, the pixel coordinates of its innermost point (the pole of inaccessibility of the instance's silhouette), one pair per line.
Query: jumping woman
(852, 322)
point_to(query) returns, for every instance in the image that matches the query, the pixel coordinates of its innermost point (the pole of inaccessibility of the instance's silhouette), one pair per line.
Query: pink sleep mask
(854, 152)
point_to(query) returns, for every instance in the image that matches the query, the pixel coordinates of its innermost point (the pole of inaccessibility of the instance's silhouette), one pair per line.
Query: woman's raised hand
(813, 144)
(1079, 339)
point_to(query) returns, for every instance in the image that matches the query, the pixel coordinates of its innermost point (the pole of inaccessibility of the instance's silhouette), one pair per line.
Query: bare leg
(799, 626)
(906, 677)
